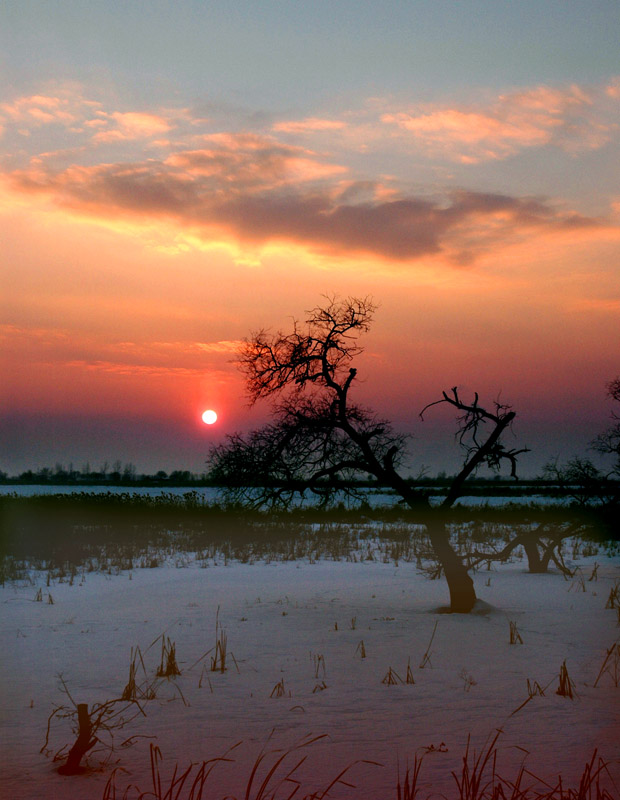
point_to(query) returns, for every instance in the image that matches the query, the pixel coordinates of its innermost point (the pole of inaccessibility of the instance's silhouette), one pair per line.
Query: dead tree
(319, 437)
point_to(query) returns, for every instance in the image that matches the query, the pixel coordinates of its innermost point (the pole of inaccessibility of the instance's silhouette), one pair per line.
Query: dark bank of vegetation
(117, 474)
(64, 534)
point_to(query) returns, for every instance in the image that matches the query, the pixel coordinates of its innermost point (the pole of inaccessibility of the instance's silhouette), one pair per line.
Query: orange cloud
(132, 125)
(237, 205)
(67, 106)
(248, 160)
(512, 122)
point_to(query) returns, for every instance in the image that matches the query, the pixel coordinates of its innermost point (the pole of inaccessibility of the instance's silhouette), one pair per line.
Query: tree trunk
(82, 744)
(460, 583)
(535, 564)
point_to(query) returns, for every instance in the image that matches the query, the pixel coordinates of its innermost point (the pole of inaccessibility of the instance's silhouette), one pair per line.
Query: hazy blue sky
(288, 54)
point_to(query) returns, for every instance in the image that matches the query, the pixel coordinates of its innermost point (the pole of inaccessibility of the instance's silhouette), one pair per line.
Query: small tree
(584, 482)
(319, 435)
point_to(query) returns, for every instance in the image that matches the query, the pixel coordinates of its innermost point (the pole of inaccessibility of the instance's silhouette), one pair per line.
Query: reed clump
(566, 687)
(168, 666)
(515, 636)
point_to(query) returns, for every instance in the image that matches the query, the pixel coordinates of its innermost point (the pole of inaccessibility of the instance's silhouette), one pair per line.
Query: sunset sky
(176, 175)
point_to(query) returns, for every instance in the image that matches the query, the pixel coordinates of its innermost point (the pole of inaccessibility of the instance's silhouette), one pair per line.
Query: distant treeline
(116, 474)
(119, 474)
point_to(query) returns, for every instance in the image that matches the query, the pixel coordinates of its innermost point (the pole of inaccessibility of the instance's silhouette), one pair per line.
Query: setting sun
(209, 417)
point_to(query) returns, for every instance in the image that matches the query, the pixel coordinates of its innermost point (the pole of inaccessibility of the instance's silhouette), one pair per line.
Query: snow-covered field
(301, 625)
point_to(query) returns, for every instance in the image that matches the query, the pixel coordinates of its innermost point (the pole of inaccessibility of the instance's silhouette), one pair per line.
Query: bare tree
(319, 435)
(584, 482)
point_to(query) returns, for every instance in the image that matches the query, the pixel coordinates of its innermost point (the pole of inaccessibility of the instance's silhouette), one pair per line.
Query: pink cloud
(613, 88)
(509, 124)
(42, 109)
(133, 125)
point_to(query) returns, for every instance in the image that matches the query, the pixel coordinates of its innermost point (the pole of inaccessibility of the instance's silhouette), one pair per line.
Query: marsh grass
(134, 690)
(613, 601)
(566, 687)
(426, 658)
(391, 678)
(534, 689)
(277, 773)
(218, 660)
(409, 789)
(168, 666)
(515, 636)
(274, 773)
(279, 689)
(68, 536)
(611, 665)
(319, 664)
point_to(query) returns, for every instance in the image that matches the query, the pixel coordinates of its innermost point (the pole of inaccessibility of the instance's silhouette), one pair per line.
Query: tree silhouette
(584, 482)
(319, 435)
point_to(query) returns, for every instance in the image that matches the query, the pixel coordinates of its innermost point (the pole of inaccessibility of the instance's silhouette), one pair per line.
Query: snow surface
(279, 618)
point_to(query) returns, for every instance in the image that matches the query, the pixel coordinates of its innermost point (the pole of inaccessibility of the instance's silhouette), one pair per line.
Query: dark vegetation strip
(130, 529)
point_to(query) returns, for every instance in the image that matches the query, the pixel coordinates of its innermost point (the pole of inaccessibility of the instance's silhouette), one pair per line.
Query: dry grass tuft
(478, 774)
(534, 689)
(409, 789)
(391, 678)
(613, 601)
(426, 658)
(218, 661)
(361, 649)
(319, 664)
(611, 665)
(566, 687)
(515, 636)
(133, 690)
(168, 666)
(279, 690)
